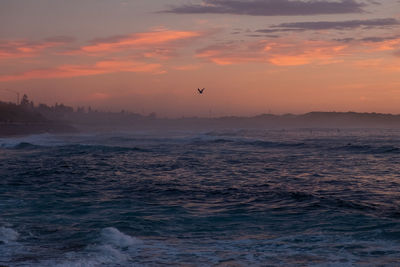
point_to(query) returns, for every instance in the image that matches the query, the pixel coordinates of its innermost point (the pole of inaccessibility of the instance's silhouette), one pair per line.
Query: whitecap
(111, 248)
(8, 235)
(114, 237)
(9, 245)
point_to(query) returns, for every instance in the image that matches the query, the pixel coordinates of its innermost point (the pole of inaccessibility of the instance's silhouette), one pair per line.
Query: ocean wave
(303, 249)
(269, 144)
(247, 142)
(111, 248)
(260, 198)
(316, 144)
(76, 147)
(112, 236)
(270, 139)
(368, 149)
(25, 146)
(9, 245)
(39, 140)
(244, 199)
(102, 148)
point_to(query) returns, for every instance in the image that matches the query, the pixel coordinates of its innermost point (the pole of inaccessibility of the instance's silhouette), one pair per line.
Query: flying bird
(200, 90)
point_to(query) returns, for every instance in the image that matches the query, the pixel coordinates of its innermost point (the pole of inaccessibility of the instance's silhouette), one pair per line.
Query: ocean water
(308, 197)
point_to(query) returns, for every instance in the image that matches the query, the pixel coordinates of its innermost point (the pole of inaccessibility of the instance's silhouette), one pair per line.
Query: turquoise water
(225, 198)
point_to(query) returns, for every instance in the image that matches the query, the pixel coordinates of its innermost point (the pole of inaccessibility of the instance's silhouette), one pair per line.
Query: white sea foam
(115, 248)
(114, 237)
(9, 245)
(8, 235)
(112, 248)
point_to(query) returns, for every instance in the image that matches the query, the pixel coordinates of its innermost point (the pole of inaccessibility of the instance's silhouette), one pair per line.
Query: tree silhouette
(24, 101)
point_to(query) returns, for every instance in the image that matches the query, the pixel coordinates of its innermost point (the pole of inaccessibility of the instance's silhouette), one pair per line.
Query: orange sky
(256, 57)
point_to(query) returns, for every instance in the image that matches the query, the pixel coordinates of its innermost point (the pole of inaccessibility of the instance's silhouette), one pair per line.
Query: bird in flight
(200, 90)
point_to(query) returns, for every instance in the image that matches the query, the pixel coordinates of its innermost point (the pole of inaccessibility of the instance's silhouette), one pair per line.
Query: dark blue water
(225, 198)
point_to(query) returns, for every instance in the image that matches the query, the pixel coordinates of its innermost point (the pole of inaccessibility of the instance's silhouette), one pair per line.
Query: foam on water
(114, 248)
(8, 235)
(9, 245)
(114, 237)
(111, 248)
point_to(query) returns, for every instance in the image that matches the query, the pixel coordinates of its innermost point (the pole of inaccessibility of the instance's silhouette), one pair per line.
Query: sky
(252, 56)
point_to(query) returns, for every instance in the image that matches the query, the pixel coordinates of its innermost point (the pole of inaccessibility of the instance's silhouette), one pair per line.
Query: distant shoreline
(106, 122)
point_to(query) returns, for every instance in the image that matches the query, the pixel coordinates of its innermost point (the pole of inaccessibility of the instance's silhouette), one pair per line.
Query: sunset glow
(199, 133)
(268, 60)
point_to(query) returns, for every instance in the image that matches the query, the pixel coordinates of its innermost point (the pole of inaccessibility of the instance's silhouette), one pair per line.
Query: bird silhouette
(200, 90)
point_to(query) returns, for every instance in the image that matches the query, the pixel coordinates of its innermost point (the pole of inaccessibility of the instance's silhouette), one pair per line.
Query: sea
(234, 197)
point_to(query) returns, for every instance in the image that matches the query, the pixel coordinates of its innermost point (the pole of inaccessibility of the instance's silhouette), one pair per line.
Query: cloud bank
(67, 71)
(139, 40)
(331, 25)
(270, 7)
(275, 53)
(10, 49)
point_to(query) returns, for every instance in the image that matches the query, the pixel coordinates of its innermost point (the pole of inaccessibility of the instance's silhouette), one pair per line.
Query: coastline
(99, 122)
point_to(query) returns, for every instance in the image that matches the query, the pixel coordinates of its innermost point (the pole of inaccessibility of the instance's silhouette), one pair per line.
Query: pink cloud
(187, 67)
(23, 48)
(384, 45)
(101, 67)
(280, 53)
(234, 53)
(308, 52)
(154, 40)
